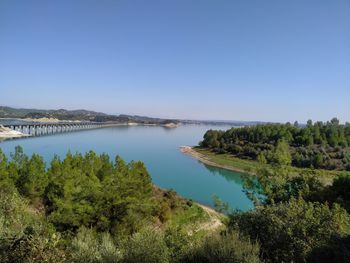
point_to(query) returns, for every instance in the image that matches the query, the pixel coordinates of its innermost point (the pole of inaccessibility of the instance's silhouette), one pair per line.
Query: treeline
(88, 208)
(316, 145)
(297, 218)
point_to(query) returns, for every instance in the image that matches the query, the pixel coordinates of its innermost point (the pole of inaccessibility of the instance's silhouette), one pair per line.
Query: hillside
(81, 115)
(321, 145)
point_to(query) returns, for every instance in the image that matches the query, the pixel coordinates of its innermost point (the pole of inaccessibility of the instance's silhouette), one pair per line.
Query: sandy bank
(170, 125)
(8, 133)
(214, 222)
(48, 120)
(204, 159)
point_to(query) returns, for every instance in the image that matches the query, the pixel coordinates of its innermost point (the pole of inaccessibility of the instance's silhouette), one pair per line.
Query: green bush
(147, 246)
(288, 232)
(179, 243)
(90, 247)
(337, 250)
(228, 247)
(24, 235)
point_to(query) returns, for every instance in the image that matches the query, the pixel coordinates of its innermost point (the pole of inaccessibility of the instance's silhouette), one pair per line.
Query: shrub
(89, 246)
(288, 232)
(24, 236)
(146, 246)
(228, 247)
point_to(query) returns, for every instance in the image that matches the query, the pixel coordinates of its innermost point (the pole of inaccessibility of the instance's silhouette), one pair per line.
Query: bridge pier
(38, 129)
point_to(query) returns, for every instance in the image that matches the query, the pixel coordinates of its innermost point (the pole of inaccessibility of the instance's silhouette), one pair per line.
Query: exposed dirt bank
(47, 120)
(8, 133)
(204, 159)
(215, 221)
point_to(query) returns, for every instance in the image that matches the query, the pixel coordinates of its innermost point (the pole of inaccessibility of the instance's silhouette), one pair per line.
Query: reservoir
(158, 148)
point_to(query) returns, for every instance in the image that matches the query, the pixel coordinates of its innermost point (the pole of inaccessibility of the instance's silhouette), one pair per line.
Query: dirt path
(215, 220)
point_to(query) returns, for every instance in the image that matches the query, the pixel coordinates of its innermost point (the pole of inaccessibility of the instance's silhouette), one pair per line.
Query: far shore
(248, 167)
(7, 133)
(204, 159)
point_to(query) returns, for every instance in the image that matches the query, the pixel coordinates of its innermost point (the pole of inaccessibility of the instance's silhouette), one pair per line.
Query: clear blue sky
(238, 60)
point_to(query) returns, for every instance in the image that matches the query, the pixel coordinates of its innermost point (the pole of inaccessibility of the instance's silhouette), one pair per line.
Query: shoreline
(188, 150)
(7, 133)
(215, 219)
(203, 206)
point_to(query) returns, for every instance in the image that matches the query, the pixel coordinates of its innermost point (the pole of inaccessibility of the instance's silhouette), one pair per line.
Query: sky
(192, 59)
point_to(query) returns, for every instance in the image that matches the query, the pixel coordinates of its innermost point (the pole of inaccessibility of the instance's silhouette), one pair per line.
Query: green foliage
(178, 243)
(289, 232)
(33, 179)
(336, 250)
(278, 184)
(6, 182)
(189, 215)
(147, 246)
(261, 158)
(229, 247)
(87, 208)
(90, 247)
(89, 191)
(95, 204)
(25, 236)
(220, 206)
(318, 145)
(281, 155)
(339, 191)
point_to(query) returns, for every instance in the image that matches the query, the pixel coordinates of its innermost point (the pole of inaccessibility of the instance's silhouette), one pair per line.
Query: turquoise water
(158, 148)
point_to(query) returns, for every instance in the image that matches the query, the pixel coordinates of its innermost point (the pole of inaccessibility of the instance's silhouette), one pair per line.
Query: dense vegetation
(319, 145)
(87, 208)
(297, 217)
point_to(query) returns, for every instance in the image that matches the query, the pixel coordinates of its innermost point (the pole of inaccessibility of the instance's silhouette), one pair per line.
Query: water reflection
(230, 176)
(158, 148)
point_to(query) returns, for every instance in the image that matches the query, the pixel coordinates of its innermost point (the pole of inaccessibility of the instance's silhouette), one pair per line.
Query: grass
(196, 221)
(229, 160)
(189, 216)
(251, 167)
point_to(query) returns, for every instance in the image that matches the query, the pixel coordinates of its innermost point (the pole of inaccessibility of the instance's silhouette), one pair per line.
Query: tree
(339, 191)
(281, 154)
(310, 146)
(289, 232)
(261, 158)
(33, 179)
(5, 180)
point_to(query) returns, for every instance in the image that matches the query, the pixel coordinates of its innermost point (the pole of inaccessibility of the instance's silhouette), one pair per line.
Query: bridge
(37, 129)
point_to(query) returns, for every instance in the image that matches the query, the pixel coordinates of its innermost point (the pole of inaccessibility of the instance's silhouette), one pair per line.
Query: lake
(158, 148)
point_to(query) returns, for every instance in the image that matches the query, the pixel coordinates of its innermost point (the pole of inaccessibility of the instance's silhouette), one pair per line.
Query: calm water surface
(158, 148)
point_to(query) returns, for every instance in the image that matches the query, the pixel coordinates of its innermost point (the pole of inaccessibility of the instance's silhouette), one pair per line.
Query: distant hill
(87, 115)
(82, 115)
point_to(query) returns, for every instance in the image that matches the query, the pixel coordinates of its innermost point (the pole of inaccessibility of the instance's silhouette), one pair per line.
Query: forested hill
(323, 145)
(79, 115)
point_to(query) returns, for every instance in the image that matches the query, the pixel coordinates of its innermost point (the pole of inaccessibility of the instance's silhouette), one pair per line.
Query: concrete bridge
(37, 129)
